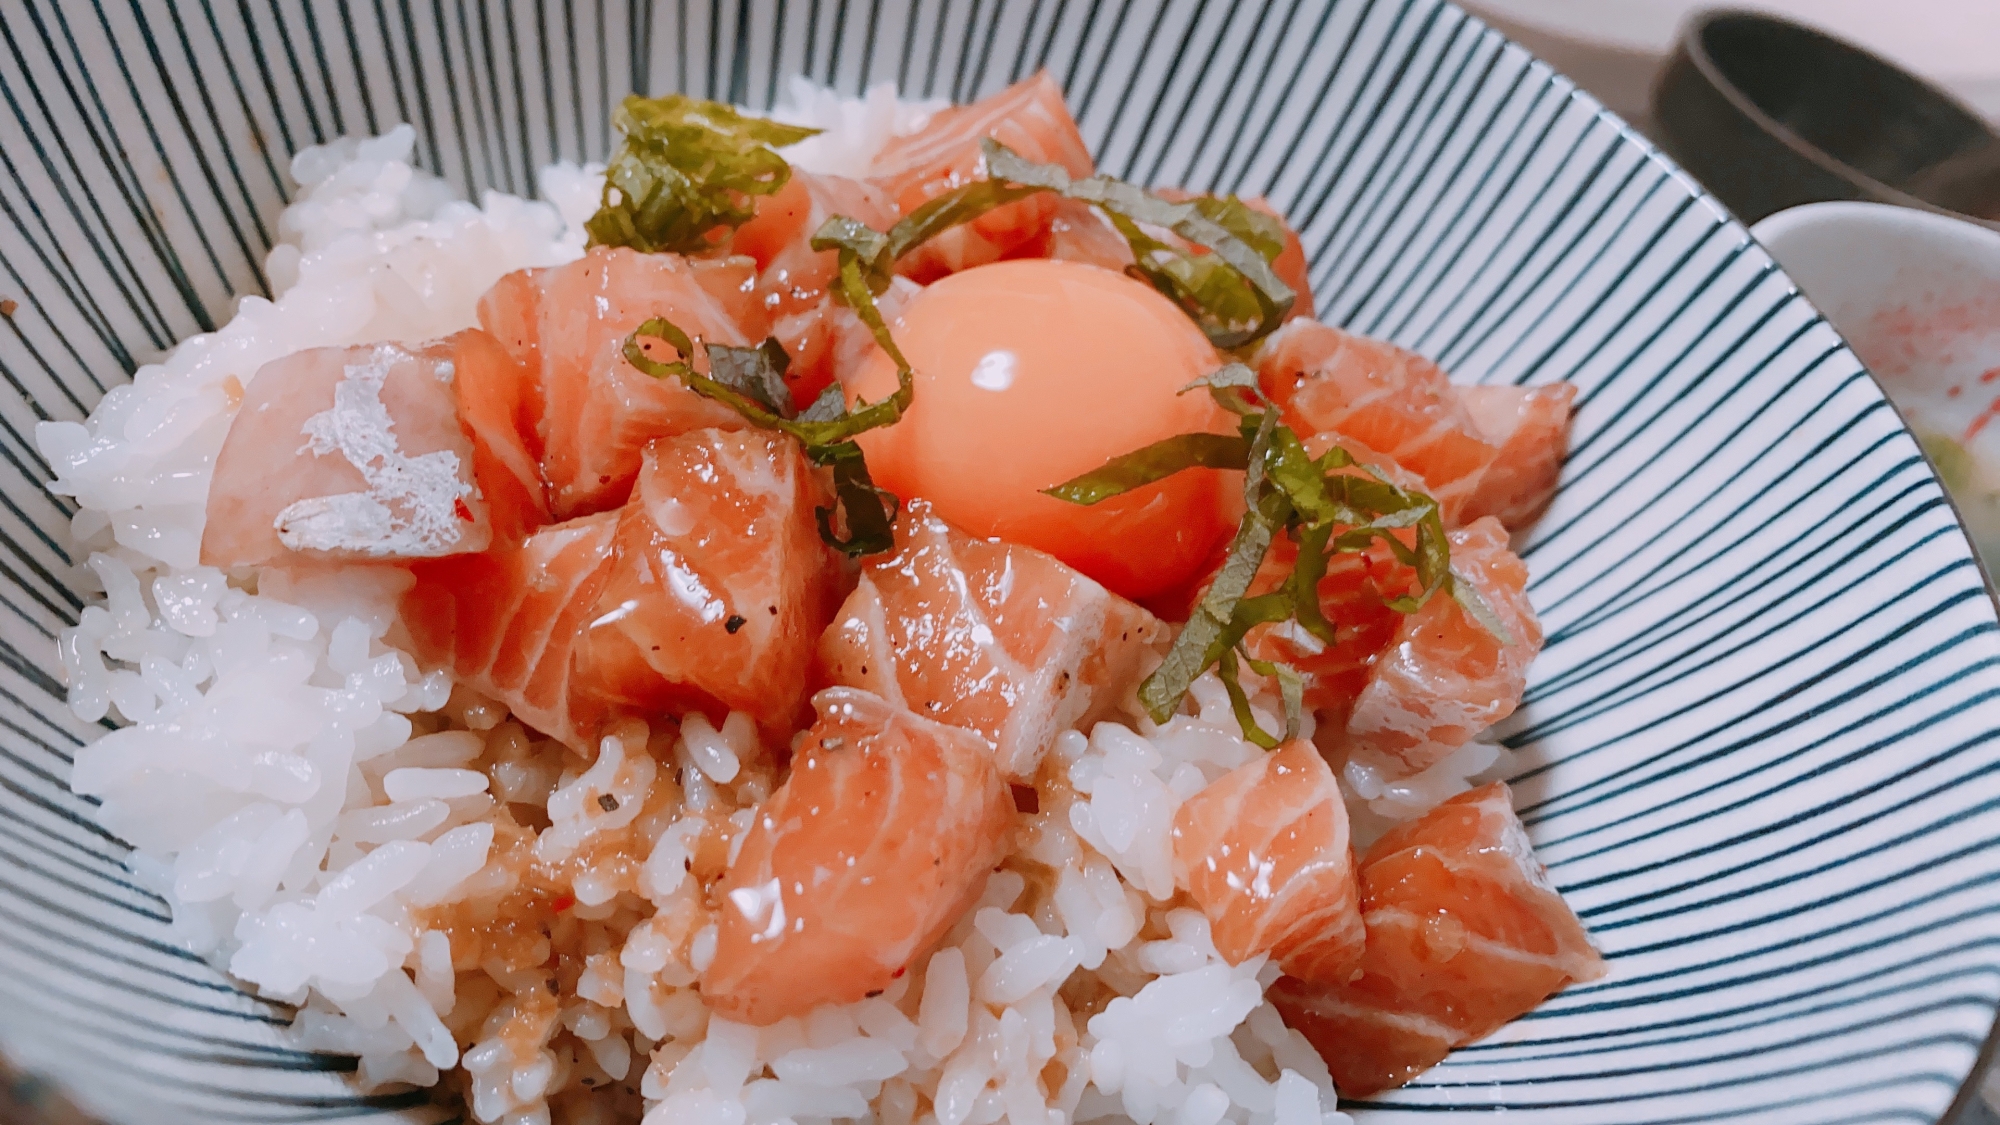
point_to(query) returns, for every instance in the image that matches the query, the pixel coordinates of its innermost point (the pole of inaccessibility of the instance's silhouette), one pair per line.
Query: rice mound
(416, 871)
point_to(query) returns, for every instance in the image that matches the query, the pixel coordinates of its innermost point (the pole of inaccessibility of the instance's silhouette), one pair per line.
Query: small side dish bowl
(1917, 295)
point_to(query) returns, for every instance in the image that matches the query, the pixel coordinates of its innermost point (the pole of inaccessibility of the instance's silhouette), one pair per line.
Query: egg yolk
(1031, 372)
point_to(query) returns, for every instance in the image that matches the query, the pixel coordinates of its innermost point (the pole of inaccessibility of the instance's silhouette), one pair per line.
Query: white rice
(310, 804)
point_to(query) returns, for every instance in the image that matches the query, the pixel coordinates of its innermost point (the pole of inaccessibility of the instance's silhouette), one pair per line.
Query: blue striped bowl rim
(1756, 753)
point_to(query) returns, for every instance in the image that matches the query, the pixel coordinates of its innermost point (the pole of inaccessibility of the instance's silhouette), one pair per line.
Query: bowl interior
(1757, 752)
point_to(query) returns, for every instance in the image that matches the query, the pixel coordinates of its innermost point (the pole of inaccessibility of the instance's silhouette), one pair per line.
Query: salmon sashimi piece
(348, 453)
(1028, 117)
(850, 344)
(720, 586)
(505, 623)
(780, 219)
(1381, 402)
(828, 343)
(996, 638)
(1465, 933)
(793, 278)
(882, 835)
(1444, 677)
(1263, 850)
(593, 410)
(1351, 598)
(496, 408)
(1530, 427)
(779, 237)
(1079, 232)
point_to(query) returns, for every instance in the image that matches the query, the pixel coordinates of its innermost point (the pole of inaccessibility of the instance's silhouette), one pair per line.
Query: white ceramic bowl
(1917, 295)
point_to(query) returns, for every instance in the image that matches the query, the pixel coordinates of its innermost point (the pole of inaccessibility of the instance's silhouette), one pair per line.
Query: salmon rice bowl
(843, 615)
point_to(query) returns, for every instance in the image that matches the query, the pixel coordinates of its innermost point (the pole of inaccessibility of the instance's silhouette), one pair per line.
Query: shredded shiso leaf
(1157, 461)
(687, 173)
(1230, 291)
(1325, 505)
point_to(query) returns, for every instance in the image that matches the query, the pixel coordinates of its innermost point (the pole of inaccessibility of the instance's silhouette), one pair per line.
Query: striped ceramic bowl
(1758, 754)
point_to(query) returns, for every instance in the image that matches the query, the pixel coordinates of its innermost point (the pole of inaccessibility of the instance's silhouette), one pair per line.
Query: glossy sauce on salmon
(594, 412)
(887, 827)
(1263, 850)
(718, 583)
(1465, 932)
(996, 638)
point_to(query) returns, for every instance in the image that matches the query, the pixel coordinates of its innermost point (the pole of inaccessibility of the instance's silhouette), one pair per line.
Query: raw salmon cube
(505, 623)
(793, 278)
(1465, 933)
(1381, 403)
(779, 237)
(496, 408)
(997, 638)
(1352, 598)
(1444, 677)
(1530, 428)
(1396, 692)
(720, 586)
(1028, 117)
(882, 835)
(349, 453)
(1078, 232)
(829, 343)
(594, 412)
(1263, 850)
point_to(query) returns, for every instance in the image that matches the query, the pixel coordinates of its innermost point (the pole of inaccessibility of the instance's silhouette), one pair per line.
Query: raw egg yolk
(1031, 372)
